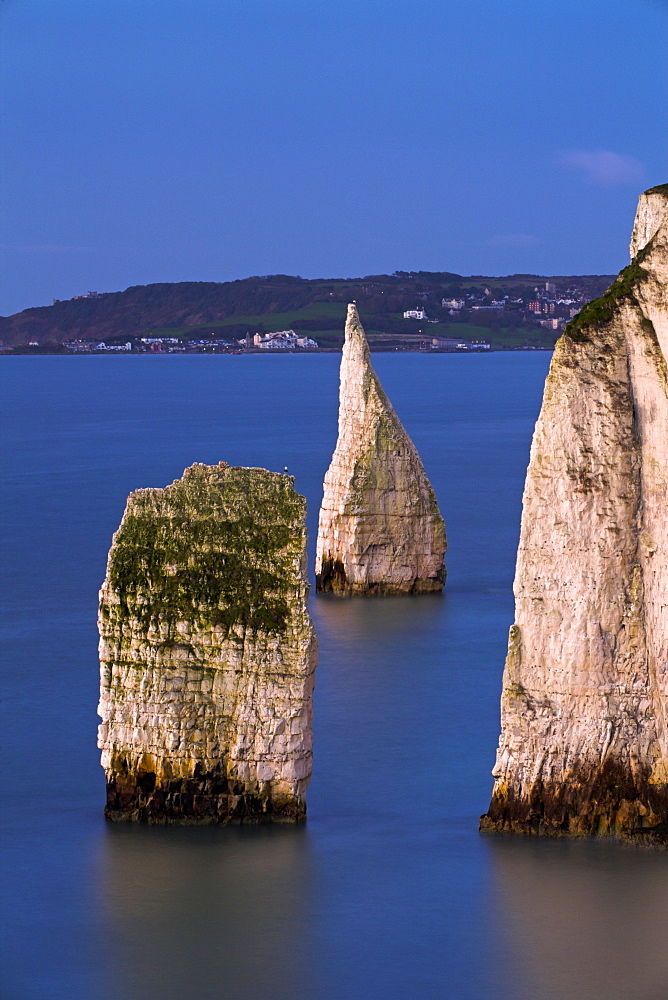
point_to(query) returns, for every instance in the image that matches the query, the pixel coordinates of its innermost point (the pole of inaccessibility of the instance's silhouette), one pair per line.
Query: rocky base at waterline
(138, 794)
(380, 530)
(208, 653)
(584, 708)
(608, 800)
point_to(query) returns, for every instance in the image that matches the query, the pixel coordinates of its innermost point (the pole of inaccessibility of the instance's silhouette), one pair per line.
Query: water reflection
(370, 619)
(581, 920)
(206, 913)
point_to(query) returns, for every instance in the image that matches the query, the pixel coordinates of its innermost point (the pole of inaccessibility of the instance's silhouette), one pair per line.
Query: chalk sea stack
(584, 736)
(380, 530)
(208, 652)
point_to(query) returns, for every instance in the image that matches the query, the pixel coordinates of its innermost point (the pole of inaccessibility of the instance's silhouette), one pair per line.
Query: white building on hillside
(284, 340)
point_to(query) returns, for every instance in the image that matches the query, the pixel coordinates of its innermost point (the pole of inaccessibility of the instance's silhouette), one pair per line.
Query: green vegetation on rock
(601, 310)
(217, 547)
(658, 189)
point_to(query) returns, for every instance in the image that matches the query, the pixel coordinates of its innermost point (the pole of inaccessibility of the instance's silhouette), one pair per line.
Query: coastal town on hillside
(551, 308)
(407, 311)
(281, 340)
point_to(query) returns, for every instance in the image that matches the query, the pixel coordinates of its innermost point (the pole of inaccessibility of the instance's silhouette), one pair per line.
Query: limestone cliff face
(207, 652)
(584, 740)
(380, 529)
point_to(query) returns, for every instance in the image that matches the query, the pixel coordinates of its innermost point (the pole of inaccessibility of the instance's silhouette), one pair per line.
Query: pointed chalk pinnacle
(380, 528)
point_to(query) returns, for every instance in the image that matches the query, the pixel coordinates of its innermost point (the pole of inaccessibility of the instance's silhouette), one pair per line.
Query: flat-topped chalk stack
(380, 530)
(584, 740)
(208, 652)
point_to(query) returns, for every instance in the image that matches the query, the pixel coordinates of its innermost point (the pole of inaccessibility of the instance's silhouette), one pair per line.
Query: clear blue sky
(164, 140)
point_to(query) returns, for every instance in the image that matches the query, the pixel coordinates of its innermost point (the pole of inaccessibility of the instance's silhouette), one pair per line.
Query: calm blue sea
(388, 891)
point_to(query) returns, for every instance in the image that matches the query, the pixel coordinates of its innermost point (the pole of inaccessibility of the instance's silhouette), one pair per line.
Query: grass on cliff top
(276, 321)
(658, 189)
(217, 547)
(601, 310)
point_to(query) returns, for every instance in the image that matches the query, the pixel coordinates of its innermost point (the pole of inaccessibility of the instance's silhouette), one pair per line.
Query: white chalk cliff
(380, 530)
(208, 652)
(584, 734)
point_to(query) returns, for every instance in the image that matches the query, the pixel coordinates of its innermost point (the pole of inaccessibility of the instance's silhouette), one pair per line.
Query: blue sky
(215, 139)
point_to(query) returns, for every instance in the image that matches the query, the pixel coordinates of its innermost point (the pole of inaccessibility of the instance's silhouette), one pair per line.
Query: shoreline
(24, 351)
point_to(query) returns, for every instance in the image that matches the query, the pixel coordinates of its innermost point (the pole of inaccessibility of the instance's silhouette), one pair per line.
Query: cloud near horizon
(602, 166)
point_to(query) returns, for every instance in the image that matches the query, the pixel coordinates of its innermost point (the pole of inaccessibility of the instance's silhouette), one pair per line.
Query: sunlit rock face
(380, 529)
(208, 652)
(584, 739)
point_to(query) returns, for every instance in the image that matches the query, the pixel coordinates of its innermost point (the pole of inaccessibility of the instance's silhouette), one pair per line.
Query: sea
(388, 892)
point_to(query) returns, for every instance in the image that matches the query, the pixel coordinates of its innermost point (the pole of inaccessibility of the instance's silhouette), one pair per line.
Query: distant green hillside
(314, 307)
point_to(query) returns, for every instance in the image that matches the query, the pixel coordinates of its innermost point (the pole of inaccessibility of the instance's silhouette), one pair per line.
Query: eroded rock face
(584, 740)
(208, 652)
(380, 529)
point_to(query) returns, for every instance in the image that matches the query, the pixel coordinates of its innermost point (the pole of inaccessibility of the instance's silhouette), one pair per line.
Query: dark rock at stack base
(208, 652)
(584, 709)
(380, 529)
